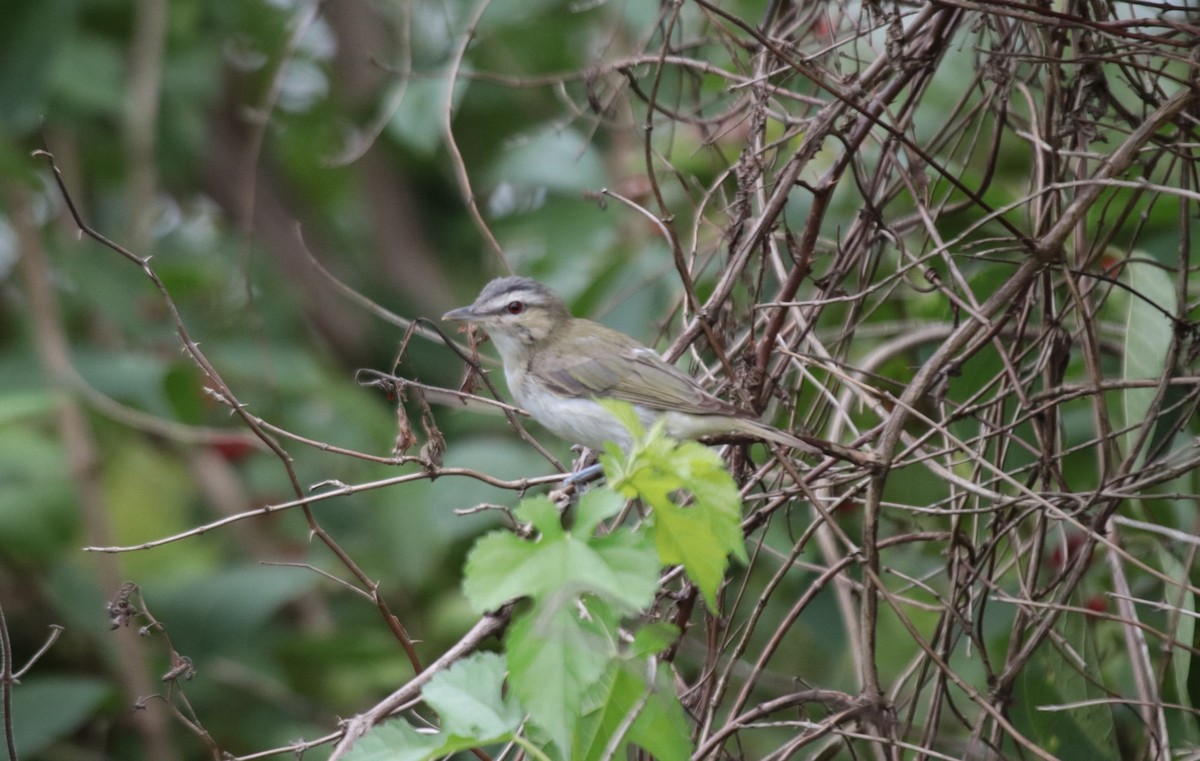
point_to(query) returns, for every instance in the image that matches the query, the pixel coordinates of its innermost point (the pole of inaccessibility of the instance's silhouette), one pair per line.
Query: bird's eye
(515, 307)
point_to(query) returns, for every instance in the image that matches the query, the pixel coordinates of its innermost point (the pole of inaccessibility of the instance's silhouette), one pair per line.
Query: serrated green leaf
(653, 639)
(595, 506)
(634, 566)
(612, 460)
(474, 711)
(542, 514)
(660, 726)
(469, 699)
(395, 741)
(619, 567)
(501, 567)
(648, 483)
(607, 703)
(700, 536)
(554, 656)
(716, 494)
(684, 537)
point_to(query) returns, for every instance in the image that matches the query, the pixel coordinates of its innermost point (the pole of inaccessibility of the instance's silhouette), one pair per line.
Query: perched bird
(558, 365)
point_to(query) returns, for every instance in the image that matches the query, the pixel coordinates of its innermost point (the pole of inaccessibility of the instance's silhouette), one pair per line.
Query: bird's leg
(577, 479)
(585, 468)
(583, 475)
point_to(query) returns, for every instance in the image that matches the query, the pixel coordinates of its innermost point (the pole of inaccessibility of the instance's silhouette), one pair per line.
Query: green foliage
(229, 606)
(698, 532)
(1149, 333)
(659, 724)
(469, 698)
(1054, 682)
(618, 567)
(411, 125)
(46, 708)
(1184, 686)
(983, 133)
(36, 520)
(33, 33)
(558, 161)
(581, 685)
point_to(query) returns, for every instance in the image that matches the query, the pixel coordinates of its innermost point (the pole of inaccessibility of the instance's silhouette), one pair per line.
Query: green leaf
(501, 567)
(554, 656)
(18, 405)
(716, 494)
(685, 537)
(38, 517)
(395, 741)
(660, 725)
(557, 159)
(619, 567)
(542, 514)
(558, 653)
(653, 639)
(182, 387)
(1148, 336)
(1083, 733)
(413, 122)
(608, 704)
(595, 506)
(664, 473)
(48, 709)
(630, 560)
(1183, 662)
(469, 699)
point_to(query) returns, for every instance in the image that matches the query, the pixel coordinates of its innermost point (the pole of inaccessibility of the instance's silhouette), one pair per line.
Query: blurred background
(239, 145)
(229, 141)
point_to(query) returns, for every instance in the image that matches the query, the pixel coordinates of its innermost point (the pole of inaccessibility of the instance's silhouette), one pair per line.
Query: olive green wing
(609, 364)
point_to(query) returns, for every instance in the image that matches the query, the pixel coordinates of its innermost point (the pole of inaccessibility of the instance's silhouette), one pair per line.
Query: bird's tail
(810, 444)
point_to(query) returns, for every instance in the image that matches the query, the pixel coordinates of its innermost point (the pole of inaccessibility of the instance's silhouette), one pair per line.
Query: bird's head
(517, 313)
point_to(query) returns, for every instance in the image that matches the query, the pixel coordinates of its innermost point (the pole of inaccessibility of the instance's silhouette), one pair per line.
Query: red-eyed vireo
(558, 365)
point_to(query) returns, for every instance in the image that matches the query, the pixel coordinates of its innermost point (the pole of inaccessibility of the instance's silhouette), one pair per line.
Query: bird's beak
(460, 314)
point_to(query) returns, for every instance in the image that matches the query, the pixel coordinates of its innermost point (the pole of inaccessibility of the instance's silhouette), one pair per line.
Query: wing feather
(640, 376)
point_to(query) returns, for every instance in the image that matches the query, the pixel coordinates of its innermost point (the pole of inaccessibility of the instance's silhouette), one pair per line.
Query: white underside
(583, 421)
(580, 421)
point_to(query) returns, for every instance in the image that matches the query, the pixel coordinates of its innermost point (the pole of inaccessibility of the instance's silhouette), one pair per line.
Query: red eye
(515, 307)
